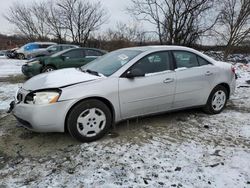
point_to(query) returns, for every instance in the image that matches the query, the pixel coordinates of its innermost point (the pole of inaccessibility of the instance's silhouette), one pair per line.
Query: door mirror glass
(134, 73)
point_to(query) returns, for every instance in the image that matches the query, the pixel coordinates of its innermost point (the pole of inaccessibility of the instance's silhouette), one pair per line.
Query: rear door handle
(168, 80)
(208, 73)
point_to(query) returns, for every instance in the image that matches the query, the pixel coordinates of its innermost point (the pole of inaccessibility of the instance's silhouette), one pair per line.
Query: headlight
(33, 62)
(42, 97)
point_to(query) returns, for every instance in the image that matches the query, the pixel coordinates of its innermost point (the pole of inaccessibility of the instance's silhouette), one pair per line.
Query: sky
(116, 9)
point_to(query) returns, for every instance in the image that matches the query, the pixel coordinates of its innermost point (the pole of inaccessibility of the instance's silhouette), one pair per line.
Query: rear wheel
(89, 120)
(48, 69)
(217, 100)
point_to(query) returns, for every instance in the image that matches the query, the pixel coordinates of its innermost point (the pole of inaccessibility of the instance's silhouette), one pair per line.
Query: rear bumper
(42, 118)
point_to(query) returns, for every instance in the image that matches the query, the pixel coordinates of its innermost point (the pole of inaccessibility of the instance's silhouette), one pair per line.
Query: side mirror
(134, 73)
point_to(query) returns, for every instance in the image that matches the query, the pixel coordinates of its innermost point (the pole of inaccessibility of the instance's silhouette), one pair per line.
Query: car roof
(159, 47)
(65, 45)
(52, 43)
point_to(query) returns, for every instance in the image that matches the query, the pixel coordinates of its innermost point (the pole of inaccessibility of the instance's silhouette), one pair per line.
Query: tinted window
(153, 63)
(31, 47)
(185, 59)
(66, 47)
(93, 53)
(74, 54)
(44, 45)
(54, 48)
(202, 61)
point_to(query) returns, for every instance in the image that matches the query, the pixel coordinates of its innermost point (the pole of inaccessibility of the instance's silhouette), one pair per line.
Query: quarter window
(185, 59)
(203, 61)
(153, 63)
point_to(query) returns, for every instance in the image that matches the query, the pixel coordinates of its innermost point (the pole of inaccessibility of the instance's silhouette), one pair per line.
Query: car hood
(59, 78)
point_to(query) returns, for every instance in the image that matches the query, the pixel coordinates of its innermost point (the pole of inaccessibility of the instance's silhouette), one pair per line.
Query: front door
(151, 93)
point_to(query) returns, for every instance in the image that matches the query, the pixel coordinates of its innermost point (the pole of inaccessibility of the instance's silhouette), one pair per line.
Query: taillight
(233, 69)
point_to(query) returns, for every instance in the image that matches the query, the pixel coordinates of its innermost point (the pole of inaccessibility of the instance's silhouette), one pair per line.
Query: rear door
(151, 93)
(193, 79)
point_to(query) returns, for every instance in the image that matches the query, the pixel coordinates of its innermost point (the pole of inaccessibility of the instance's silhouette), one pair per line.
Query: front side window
(153, 63)
(66, 47)
(185, 59)
(30, 47)
(53, 48)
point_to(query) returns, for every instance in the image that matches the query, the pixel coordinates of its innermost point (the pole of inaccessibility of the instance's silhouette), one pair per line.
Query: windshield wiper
(90, 71)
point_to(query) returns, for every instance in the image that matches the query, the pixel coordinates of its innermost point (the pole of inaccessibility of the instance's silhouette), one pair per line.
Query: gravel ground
(180, 149)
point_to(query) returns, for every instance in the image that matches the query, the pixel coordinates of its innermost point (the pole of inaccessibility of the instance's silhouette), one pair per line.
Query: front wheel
(217, 100)
(89, 120)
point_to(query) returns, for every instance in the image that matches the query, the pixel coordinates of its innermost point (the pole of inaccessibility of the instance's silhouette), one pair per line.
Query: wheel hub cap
(91, 122)
(219, 100)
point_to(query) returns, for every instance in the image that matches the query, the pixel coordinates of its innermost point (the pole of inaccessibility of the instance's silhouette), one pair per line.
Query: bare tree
(39, 13)
(30, 20)
(55, 22)
(234, 22)
(131, 32)
(62, 19)
(21, 17)
(176, 21)
(81, 18)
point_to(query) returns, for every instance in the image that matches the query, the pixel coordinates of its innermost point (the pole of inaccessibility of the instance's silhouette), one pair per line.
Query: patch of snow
(10, 67)
(7, 93)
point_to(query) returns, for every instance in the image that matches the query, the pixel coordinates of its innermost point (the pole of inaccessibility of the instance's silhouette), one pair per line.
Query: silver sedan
(123, 84)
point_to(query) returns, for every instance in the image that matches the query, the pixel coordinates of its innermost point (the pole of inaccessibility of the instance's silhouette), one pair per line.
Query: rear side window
(74, 54)
(44, 45)
(202, 61)
(153, 63)
(185, 59)
(93, 53)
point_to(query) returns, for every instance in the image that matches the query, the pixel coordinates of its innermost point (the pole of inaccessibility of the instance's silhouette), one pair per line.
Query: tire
(21, 56)
(217, 100)
(48, 69)
(89, 120)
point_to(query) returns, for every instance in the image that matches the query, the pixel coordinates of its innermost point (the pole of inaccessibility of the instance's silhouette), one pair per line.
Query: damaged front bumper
(41, 118)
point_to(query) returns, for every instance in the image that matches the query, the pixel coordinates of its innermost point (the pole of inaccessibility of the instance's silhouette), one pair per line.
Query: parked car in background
(123, 84)
(12, 53)
(74, 57)
(50, 50)
(24, 51)
(3, 54)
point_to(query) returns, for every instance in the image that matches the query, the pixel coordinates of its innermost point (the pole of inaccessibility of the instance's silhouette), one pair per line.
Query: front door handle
(168, 80)
(208, 73)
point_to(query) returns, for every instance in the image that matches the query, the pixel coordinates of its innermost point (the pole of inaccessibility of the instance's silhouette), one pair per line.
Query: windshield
(111, 62)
